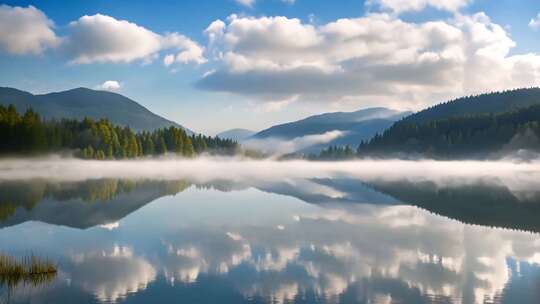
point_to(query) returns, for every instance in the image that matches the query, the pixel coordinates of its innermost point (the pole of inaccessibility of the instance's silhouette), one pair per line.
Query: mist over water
(234, 230)
(517, 176)
(205, 168)
(283, 146)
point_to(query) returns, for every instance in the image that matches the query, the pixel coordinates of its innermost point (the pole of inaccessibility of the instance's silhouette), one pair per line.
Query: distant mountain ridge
(355, 126)
(325, 122)
(237, 134)
(82, 102)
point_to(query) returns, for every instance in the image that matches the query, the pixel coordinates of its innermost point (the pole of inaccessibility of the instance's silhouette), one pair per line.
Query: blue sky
(263, 66)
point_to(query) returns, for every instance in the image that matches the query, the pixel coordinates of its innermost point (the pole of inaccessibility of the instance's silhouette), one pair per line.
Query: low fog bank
(514, 175)
(279, 146)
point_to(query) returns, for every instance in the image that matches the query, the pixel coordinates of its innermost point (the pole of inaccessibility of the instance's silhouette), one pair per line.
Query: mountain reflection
(91, 203)
(79, 204)
(318, 240)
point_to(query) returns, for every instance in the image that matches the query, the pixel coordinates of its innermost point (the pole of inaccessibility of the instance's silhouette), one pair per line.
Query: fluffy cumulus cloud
(399, 6)
(109, 85)
(535, 22)
(93, 39)
(101, 38)
(376, 56)
(189, 50)
(25, 30)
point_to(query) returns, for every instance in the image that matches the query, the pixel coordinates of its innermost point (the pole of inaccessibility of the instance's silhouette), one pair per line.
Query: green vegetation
(28, 270)
(14, 194)
(7, 210)
(29, 134)
(463, 136)
(335, 152)
(486, 125)
(79, 103)
(494, 103)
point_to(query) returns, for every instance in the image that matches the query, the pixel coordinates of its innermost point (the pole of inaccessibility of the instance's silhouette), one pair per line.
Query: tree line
(494, 102)
(462, 136)
(99, 139)
(476, 135)
(335, 153)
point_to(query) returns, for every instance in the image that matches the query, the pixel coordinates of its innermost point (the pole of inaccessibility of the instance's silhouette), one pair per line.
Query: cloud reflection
(334, 249)
(112, 275)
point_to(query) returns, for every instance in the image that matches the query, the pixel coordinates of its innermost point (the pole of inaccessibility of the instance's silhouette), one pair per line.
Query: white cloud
(379, 55)
(168, 60)
(399, 6)
(535, 22)
(215, 30)
(190, 51)
(276, 105)
(90, 39)
(248, 3)
(101, 38)
(25, 30)
(110, 85)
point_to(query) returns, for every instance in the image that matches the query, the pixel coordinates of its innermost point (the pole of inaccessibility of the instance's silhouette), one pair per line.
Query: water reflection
(79, 204)
(301, 240)
(89, 203)
(119, 273)
(13, 283)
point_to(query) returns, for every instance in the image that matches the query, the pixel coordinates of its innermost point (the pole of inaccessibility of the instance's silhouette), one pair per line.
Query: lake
(234, 231)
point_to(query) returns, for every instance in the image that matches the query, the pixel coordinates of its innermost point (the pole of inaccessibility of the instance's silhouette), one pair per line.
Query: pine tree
(97, 139)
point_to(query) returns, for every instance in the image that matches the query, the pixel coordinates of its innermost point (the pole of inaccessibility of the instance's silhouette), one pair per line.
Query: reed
(28, 269)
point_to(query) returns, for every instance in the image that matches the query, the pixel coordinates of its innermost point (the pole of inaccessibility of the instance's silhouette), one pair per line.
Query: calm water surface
(298, 240)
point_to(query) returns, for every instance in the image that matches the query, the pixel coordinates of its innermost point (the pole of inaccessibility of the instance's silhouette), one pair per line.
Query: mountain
(353, 127)
(237, 135)
(476, 134)
(494, 103)
(82, 102)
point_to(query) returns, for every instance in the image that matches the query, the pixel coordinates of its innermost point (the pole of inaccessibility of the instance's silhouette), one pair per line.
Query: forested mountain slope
(494, 103)
(28, 134)
(82, 102)
(236, 134)
(461, 136)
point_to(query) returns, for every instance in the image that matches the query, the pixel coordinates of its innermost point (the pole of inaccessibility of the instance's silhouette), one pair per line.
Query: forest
(334, 152)
(464, 136)
(28, 134)
(494, 102)
(461, 136)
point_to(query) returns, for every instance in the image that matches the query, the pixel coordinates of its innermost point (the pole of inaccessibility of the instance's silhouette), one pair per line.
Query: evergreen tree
(100, 139)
